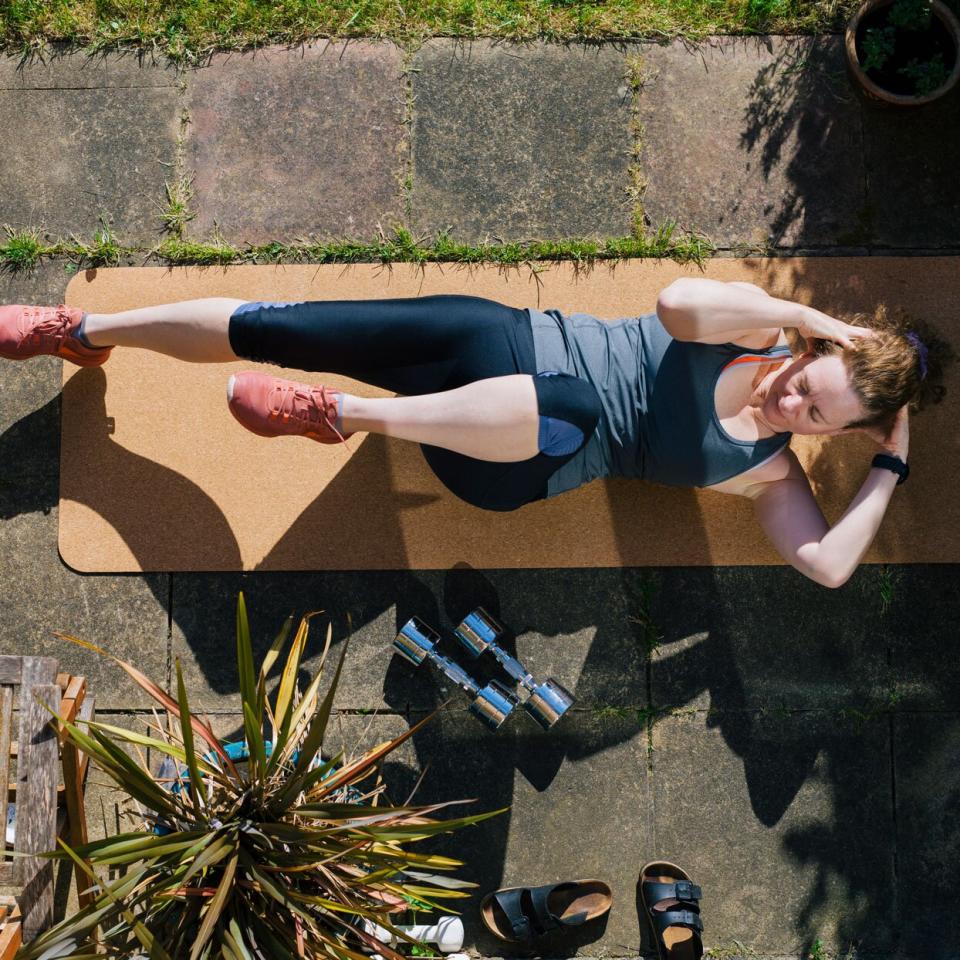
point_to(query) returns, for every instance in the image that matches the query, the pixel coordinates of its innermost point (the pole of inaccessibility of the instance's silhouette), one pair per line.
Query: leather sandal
(672, 904)
(521, 914)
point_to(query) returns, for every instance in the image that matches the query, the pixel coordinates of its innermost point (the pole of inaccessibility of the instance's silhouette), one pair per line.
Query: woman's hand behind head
(895, 438)
(815, 325)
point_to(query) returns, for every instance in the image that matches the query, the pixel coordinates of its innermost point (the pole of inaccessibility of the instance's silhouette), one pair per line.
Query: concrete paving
(288, 143)
(753, 140)
(795, 749)
(95, 141)
(520, 143)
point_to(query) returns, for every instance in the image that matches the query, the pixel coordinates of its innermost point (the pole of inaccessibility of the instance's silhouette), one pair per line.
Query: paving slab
(285, 143)
(517, 142)
(922, 618)
(753, 140)
(912, 187)
(553, 618)
(786, 823)
(927, 762)
(94, 142)
(126, 615)
(579, 807)
(30, 392)
(746, 638)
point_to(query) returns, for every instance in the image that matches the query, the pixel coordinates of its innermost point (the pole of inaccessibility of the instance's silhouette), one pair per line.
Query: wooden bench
(48, 804)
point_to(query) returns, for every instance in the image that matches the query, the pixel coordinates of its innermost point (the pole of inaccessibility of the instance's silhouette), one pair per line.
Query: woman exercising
(511, 406)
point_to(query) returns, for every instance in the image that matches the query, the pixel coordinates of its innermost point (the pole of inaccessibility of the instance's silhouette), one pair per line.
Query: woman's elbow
(832, 579)
(820, 570)
(675, 296)
(676, 309)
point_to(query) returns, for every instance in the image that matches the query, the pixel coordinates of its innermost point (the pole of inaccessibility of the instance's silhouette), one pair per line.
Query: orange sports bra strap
(754, 358)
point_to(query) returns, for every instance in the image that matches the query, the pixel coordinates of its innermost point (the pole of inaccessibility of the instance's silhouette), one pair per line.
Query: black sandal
(672, 903)
(521, 914)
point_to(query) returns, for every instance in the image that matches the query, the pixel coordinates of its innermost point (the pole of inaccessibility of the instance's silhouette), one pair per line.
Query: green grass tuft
(177, 214)
(22, 249)
(188, 29)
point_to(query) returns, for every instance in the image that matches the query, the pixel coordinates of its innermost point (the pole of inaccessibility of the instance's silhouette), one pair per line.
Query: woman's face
(812, 395)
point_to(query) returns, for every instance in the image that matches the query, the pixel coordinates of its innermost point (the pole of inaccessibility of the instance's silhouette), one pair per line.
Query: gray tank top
(659, 418)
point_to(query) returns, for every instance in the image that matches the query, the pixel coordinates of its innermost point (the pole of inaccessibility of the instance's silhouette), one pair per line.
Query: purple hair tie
(922, 352)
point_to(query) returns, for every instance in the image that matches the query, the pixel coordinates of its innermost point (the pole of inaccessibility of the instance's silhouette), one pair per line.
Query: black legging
(425, 345)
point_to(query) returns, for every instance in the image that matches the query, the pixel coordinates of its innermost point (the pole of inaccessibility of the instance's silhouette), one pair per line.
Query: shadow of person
(152, 493)
(363, 490)
(25, 451)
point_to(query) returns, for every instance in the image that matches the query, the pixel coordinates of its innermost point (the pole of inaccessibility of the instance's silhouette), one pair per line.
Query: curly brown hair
(886, 370)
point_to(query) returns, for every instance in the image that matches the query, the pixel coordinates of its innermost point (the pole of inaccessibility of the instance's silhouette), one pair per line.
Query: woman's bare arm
(791, 518)
(710, 311)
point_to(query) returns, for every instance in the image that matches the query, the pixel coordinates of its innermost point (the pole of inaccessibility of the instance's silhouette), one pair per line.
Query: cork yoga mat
(156, 475)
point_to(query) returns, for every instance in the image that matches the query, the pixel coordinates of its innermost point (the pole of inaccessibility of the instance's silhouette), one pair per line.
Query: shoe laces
(313, 405)
(45, 324)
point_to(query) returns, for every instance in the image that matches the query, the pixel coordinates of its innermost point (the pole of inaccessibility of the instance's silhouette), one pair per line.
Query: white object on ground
(446, 933)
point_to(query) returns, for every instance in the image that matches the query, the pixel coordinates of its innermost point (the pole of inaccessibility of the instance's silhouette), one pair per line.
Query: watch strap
(887, 461)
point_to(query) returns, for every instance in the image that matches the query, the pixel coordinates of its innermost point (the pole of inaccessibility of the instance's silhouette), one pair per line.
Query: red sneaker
(31, 331)
(271, 407)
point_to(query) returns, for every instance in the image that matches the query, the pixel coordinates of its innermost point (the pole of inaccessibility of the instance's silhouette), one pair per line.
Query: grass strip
(24, 249)
(189, 29)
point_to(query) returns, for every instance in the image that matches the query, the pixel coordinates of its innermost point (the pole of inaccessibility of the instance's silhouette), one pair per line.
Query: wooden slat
(72, 701)
(75, 688)
(87, 712)
(6, 718)
(37, 776)
(73, 776)
(10, 669)
(39, 670)
(11, 933)
(9, 874)
(62, 680)
(10, 939)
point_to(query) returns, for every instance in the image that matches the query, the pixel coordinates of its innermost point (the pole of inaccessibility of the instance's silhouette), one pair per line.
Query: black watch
(889, 462)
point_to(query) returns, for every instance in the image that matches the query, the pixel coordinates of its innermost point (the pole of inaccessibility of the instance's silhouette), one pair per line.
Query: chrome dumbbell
(493, 703)
(548, 701)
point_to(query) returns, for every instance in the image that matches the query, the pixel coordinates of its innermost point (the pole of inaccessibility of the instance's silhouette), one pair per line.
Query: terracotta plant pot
(947, 23)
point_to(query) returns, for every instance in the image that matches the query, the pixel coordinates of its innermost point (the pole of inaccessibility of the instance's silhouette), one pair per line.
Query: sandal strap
(510, 903)
(682, 890)
(544, 916)
(526, 909)
(677, 918)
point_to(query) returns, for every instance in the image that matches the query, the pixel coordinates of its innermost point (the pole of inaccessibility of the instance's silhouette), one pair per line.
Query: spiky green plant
(281, 857)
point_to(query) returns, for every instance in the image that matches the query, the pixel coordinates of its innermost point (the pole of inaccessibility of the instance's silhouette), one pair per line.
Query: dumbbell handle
(455, 672)
(513, 666)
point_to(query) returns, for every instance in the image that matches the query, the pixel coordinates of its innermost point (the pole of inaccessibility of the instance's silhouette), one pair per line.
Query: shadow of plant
(802, 113)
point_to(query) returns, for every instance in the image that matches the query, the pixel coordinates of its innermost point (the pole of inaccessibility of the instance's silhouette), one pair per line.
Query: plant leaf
(197, 788)
(216, 907)
(148, 686)
(288, 679)
(314, 738)
(142, 934)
